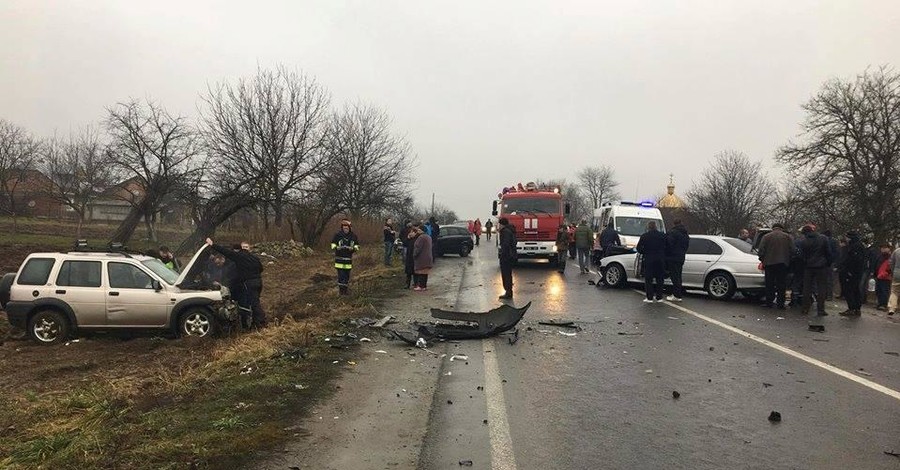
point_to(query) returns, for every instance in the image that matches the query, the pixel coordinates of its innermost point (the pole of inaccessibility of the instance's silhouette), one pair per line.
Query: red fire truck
(536, 213)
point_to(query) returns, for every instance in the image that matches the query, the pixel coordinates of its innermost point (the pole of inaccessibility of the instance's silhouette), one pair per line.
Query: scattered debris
(246, 370)
(892, 353)
(475, 325)
(300, 387)
(592, 282)
(863, 372)
(365, 340)
(465, 463)
(712, 348)
(561, 323)
(566, 334)
(766, 385)
(775, 417)
(779, 318)
(479, 388)
(459, 357)
(821, 340)
(628, 333)
(890, 452)
(381, 351)
(421, 343)
(383, 322)
(673, 318)
(515, 337)
(449, 402)
(675, 394)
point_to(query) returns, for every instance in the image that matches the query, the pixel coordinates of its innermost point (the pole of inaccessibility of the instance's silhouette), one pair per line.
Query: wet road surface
(604, 397)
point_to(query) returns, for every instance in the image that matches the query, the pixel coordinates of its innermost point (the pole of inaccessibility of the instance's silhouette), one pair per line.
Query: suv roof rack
(81, 246)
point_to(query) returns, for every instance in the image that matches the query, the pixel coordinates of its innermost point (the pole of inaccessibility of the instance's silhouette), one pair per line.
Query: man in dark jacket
(652, 245)
(775, 251)
(817, 260)
(609, 238)
(248, 277)
(677, 241)
(850, 272)
(507, 255)
(344, 245)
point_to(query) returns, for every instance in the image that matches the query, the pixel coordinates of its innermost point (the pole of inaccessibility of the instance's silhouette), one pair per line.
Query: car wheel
(5, 285)
(615, 276)
(49, 327)
(198, 322)
(720, 285)
(464, 251)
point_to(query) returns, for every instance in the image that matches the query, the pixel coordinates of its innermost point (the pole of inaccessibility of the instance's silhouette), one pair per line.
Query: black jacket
(815, 251)
(653, 246)
(677, 241)
(507, 243)
(609, 237)
(246, 265)
(344, 245)
(854, 259)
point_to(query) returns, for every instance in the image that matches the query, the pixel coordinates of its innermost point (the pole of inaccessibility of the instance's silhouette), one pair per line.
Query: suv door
(449, 240)
(701, 255)
(131, 300)
(79, 285)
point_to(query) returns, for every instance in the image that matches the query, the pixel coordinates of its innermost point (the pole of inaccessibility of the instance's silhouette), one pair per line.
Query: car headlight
(554, 249)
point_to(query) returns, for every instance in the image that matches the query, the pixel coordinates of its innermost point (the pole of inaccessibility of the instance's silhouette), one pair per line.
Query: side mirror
(157, 286)
(568, 208)
(494, 212)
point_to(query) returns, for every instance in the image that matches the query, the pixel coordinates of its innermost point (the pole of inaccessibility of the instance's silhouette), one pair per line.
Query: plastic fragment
(459, 357)
(566, 334)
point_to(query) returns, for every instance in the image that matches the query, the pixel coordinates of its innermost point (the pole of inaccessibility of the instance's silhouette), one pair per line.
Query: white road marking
(502, 456)
(790, 352)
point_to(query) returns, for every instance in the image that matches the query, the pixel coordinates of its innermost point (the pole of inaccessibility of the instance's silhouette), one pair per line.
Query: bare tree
(851, 151)
(368, 171)
(19, 155)
(269, 131)
(598, 184)
(159, 151)
(732, 194)
(78, 169)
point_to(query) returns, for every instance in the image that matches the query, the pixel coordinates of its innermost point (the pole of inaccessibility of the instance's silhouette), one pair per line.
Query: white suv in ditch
(55, 294)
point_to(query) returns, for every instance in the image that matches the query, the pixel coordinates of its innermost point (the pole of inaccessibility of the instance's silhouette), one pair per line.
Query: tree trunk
(216, 211)
(126, 228)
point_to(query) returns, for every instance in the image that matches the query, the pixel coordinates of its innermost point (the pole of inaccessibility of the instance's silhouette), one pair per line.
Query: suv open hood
(195, 266)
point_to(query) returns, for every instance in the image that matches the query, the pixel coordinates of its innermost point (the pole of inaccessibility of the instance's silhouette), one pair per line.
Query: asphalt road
(603, 398)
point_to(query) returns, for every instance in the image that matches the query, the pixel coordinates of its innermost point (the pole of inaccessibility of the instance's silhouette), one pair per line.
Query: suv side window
(126, 276)
(79, 274)
(36, 272)
(714, 248)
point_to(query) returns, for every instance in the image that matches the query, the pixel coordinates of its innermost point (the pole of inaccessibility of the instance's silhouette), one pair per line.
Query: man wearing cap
(775, 250)
(850, 272)
(344, 245)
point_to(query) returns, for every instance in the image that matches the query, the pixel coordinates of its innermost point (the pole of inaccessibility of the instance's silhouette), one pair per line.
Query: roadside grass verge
(216, 404)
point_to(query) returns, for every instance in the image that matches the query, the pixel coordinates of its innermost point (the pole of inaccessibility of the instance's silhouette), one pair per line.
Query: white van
(629, 218)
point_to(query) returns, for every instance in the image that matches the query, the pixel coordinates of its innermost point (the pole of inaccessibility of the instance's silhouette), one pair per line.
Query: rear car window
(739, 244)
(36, 272)
(79, 274)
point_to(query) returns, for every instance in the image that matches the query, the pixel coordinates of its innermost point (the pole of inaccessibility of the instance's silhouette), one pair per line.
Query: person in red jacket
(883, 277)
(476, 229)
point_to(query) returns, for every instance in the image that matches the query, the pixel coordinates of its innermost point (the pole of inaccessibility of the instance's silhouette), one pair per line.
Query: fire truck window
(536, 205)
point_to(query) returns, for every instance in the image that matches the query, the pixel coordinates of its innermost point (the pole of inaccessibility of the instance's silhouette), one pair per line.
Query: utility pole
(432, 204)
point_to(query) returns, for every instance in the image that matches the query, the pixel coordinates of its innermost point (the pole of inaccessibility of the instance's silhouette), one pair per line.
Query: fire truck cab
(536, 214)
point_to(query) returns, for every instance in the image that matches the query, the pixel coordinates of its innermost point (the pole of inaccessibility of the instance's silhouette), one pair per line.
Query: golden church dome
(670, 200)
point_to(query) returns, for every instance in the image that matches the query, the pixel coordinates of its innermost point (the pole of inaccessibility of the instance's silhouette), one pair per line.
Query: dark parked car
(456, 240)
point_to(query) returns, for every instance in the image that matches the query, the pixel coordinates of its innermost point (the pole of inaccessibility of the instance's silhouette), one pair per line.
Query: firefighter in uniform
(344, 245)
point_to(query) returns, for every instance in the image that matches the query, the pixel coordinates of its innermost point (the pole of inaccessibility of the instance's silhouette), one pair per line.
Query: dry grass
(153, 403)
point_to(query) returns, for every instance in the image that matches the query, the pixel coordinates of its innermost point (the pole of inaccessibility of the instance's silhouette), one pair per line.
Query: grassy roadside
(185, 404)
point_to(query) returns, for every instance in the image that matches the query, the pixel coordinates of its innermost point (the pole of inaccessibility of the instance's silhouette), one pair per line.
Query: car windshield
(529, 204)
(636, 226)
(161, 270)
(740, 245)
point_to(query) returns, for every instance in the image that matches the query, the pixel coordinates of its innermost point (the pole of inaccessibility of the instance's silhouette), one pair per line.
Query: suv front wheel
(198, 322)
(49, 327)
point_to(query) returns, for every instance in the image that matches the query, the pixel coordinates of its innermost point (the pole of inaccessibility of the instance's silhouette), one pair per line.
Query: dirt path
(379, 415)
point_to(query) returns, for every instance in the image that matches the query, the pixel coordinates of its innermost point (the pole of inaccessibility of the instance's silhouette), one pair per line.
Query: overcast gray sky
(487, 92)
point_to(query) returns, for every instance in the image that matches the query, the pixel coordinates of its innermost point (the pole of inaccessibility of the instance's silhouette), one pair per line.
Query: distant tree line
(271, 143)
